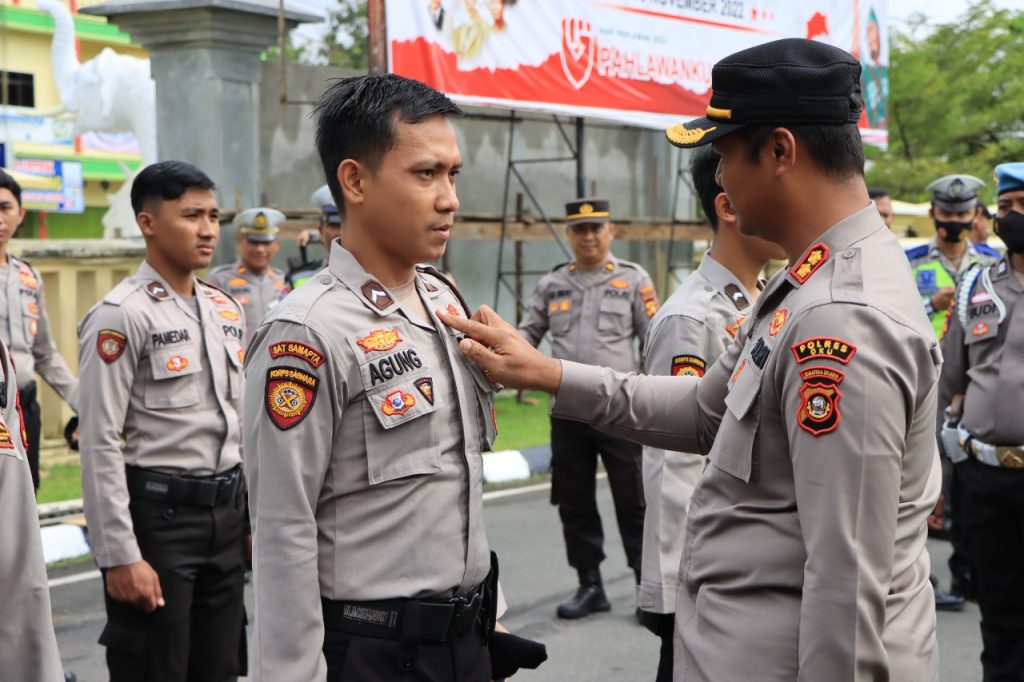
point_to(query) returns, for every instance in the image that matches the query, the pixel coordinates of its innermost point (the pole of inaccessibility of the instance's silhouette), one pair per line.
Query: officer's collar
(724, 282)
(374, 295)
(835, 240)
(609, 266)
(157, 288)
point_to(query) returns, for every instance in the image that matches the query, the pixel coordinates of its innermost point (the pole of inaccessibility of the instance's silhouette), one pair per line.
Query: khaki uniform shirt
(258, 294)
(805, 555)
(25, 328)
(685, 338)
(593, 317)
(166, 392)
(365, 471)
(985, 360)
(28, 646)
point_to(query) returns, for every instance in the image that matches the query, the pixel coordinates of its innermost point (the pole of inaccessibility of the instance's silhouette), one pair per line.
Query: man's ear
(146, 220)
(612, 230)
(784, 150)
(724, 209)
(351, 174)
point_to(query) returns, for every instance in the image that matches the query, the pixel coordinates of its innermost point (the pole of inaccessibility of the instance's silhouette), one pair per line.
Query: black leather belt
(206, 491)
(406, 620)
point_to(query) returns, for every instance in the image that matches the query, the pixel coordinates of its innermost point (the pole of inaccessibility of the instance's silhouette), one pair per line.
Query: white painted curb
(63, 541)
(504, 466)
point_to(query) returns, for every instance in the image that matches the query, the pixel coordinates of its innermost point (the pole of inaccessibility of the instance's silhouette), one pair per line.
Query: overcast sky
(937, 11)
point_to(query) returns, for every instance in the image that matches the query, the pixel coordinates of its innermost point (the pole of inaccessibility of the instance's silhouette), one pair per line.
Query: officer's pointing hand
(498, 348)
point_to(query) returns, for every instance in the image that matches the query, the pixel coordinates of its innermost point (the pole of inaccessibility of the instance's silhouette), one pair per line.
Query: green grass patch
(521, 425)
(59, 483)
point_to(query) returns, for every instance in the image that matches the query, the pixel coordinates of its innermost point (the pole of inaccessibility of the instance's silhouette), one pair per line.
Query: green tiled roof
(94, 29)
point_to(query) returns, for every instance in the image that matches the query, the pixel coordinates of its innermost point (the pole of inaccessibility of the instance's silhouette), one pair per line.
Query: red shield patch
(110, 344)
(290, 395)
(688, 366)
(426, 388)
(819, 400)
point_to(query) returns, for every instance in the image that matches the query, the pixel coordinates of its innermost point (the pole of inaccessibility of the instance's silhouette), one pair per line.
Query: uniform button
(707, 288)
(325, 279)
(848, 254)
(169, 513)
(405, 662)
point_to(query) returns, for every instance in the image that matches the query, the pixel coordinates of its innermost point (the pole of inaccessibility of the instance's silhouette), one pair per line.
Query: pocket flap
(402, 403)
(733, 450)
(175, 362)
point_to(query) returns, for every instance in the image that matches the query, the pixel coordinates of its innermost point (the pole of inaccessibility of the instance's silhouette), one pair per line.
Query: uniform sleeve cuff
(579, 393)
(122, 557)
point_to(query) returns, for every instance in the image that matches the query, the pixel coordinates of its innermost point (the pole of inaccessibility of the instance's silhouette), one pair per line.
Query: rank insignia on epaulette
(397, 403)
(380, 340)
(290, 394)
(735, 295)
(819, 400)
(375, 293)
(809, 264)
(688, 366)
(157, 291)
(110, 344)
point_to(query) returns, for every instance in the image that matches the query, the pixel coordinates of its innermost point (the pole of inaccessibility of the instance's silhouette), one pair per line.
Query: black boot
(589, 598)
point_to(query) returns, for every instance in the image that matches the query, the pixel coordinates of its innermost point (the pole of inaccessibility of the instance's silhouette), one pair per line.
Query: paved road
(524, 529)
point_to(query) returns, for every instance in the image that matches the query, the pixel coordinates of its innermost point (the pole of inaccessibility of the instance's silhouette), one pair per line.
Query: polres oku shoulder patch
(290, 394)
(819, 400)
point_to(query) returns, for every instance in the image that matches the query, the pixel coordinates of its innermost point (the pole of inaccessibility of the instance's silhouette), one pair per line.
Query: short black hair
(877, 192)
(355, 120)
(703, 167)
(9, 183)
(837, 150)
(167, 181)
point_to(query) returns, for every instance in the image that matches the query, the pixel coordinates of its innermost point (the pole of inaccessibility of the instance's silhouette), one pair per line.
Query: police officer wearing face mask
(984, 363)
(940, 263)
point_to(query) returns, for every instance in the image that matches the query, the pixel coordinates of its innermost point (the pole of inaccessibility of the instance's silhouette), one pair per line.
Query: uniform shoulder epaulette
(296, 307)
(628, 264)
(988, 250)
(917, 252)
(125, 288)
(562, 265)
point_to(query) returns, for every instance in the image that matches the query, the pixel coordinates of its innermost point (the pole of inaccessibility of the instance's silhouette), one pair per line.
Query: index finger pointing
(477, 331)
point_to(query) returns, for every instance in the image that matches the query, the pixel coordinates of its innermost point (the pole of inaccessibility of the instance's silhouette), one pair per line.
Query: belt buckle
(1010, 458)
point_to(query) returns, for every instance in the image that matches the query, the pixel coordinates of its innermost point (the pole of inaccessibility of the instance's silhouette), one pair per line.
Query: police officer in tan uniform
(161, 446)
(367, 425)
(594, 309)
(328, 230)
(25, 326)
(685, 338)
(252, 280)
(805, 553)
(983, 363)
(28, 646)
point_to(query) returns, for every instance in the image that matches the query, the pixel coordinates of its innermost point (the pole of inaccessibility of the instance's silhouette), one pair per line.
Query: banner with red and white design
(641, 62)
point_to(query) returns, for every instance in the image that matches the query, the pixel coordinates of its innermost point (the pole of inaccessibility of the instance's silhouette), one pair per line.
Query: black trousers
(993, 518)
(199, 636)
(663, 625)
(30, 413)
(575, 448)
(351, 658)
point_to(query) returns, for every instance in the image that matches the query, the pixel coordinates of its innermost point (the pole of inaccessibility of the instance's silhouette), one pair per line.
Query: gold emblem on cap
(719, 113)
(260, 221)
(678, 134)
(586, 209)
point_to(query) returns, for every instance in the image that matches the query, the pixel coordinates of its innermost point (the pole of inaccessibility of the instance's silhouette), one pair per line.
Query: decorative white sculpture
(112, 93)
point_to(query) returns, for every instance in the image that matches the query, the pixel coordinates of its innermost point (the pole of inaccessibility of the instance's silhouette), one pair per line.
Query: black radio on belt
(210, 491)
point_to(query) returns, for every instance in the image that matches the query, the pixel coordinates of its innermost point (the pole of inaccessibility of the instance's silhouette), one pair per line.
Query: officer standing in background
(594, 308)
(805, 553)
(685, 338)
(984, 363)
(28, 646)
(883, 203)
(161, 449)
(25, 326)
(367, 425)
(982, 225)
(252, 280)
(939, 264)
(328, 230)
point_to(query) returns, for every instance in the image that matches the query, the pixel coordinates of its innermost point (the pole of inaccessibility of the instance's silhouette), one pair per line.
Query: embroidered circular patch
(177, 363)
(290, 395)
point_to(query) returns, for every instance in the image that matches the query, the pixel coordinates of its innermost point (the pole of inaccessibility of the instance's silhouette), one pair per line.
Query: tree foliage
(955, 101)
(347, 41)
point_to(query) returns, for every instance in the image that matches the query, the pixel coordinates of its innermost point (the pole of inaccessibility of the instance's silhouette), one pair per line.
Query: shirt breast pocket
(401, 431)
(236, 356)
(615, 316)
(31, 312)
(559, 323)
(733, 449)
(176, 373)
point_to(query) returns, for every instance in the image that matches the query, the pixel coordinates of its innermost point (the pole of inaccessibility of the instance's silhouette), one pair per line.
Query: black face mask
(1010, 229)
(954, 229)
